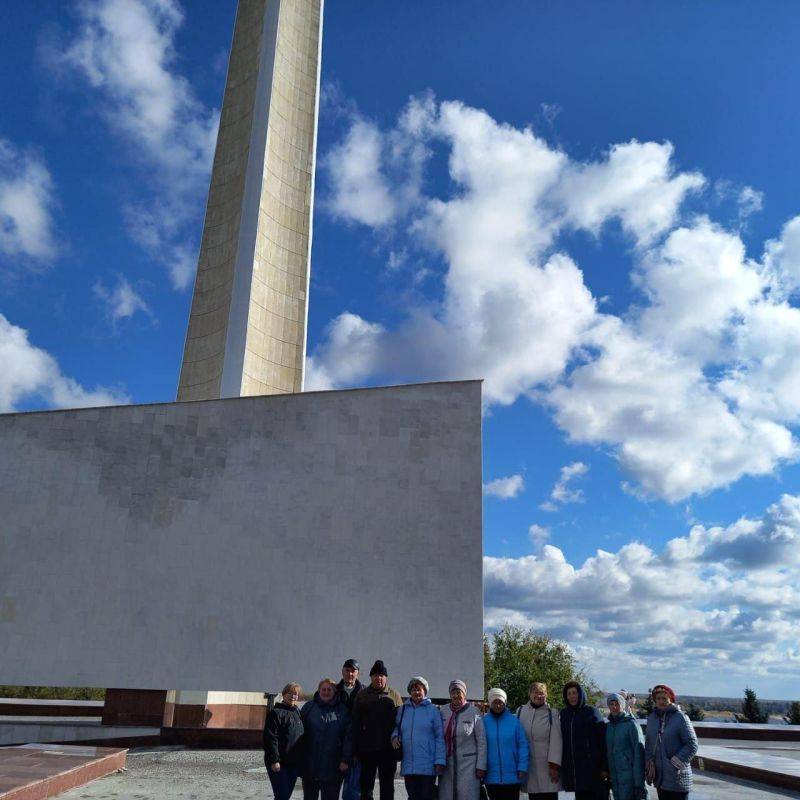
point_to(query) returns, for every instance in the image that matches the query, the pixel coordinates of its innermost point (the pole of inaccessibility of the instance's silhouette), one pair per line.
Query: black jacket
(374, 715)
(349, 699)
(583, 735)
(283, 736)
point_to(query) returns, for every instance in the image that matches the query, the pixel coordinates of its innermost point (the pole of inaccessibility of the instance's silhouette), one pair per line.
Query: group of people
(349, 734)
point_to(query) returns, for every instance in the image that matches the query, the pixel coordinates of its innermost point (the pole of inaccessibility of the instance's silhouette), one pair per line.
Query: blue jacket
(625, 750)
(669, 733)
(507, 750)
(420, 730)
(583, 738)
(328, 739)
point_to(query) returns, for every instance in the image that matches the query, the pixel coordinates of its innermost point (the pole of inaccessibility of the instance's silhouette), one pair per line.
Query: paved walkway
(240, 775)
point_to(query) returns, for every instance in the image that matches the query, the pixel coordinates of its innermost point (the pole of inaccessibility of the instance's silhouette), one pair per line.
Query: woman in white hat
(507, 750)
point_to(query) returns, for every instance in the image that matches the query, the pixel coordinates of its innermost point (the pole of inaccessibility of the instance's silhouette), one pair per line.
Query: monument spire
(247, 327)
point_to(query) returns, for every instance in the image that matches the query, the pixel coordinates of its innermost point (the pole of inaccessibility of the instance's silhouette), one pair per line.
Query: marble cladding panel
(283, 228)
(216, 544)
(277, 316)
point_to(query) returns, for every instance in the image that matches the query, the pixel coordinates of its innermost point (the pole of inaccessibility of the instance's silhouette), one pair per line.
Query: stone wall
(236, 544)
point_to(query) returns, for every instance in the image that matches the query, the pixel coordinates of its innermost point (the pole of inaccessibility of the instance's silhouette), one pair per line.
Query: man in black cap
(374, 716)
(349, 687)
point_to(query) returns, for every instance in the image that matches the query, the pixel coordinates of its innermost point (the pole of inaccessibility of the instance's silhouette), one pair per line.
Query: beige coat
(543, 729)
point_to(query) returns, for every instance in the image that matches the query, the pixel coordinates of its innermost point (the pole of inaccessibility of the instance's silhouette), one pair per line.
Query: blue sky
(592, 206)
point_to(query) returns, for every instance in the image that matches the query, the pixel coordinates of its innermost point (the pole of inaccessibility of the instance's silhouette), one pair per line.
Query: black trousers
(601, 793)
(328, 790)
(668, 794)
(420, 787)
(384, 764)
(543, 796)
(503, 791)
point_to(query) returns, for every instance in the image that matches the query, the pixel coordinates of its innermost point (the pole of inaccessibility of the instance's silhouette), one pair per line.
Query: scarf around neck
(450, 730)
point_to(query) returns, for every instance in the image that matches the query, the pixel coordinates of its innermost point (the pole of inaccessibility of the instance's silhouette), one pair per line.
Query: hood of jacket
(670, 709)
(426, 701)
(581, 698)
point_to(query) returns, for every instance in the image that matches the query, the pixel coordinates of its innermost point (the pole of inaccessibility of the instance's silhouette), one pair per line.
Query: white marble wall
(236, 544)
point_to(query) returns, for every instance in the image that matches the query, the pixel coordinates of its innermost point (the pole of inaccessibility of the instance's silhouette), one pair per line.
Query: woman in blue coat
(507, 750)
(420, 733)
(625, 751)
(327, 755)
(584, 769)
(670, 746)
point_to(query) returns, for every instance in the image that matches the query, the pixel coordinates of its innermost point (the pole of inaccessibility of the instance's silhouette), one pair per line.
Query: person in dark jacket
(349, 687)
(327, 748)
(283, 742)
(373, 723)
(584, 768)
(670, 746)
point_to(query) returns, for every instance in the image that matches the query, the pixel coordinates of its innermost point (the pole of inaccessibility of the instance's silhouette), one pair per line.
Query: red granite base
(35, 772)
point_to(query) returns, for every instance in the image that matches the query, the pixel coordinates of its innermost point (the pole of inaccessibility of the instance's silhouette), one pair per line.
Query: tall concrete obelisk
(247, 328)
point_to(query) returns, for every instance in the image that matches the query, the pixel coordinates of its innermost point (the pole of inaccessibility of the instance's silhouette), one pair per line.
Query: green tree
(793, 717)
(695, 712)
(515, 657)
(646, 707)
(751, 708)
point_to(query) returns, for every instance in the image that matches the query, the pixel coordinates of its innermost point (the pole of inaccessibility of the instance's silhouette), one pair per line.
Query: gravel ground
(179, 774)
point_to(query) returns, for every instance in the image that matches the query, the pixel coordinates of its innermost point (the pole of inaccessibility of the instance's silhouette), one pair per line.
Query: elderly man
(348, 688)
(373, 722)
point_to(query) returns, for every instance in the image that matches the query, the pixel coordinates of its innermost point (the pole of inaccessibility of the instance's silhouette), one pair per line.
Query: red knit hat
(662, 687)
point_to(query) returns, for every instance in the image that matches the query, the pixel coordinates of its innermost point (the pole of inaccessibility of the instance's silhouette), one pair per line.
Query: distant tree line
(52, 693)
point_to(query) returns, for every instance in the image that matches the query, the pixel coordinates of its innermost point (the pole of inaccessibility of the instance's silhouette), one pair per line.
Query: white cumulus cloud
(505, 488)
(125, 51)
(27, 200)
(720, 599)
(690, 388)
(30, 373)
(563, 492)
(121, 302)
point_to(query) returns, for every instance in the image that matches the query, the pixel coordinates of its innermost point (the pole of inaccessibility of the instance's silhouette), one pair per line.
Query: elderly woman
(670, 745)
(625, 751)
(543, 729)
(507, 751)
(283, 742)
(420, 735)
(327, 750)
(583, 764)
(465, 743)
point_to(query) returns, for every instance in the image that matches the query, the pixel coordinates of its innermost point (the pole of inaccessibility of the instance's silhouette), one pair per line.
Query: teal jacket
(625, 749)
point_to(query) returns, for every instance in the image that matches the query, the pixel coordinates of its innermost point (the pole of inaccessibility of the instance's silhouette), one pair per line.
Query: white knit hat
(497, 694)
(421, 681)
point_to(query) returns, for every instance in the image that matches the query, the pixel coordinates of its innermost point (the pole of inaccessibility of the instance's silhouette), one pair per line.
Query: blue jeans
(283, 782)
(351, 789)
